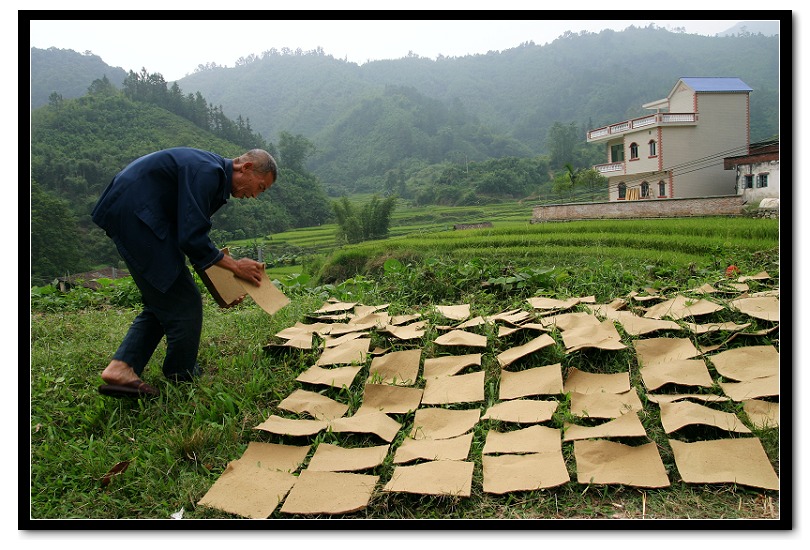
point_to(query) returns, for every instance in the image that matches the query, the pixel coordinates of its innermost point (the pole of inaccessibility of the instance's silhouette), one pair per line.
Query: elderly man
(158, 211)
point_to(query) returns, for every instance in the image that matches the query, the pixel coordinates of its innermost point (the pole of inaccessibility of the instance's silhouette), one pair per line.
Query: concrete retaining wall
(729, 205)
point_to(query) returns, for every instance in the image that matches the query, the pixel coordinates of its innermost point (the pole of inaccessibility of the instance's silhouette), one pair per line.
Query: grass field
(177, 446)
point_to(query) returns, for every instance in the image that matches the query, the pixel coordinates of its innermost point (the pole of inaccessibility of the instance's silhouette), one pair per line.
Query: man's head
(253, 172)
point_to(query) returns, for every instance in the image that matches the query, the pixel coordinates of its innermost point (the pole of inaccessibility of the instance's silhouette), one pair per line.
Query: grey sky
(175, 48)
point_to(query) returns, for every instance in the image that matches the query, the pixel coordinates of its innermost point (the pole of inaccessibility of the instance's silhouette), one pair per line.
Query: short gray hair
(263, 162)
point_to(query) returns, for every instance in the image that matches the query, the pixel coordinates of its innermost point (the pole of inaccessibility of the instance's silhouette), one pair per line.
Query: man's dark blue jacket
(159, 208)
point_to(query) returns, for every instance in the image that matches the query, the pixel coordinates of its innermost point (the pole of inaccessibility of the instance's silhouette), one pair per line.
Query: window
(633, 150)
(622, 190)
(616, 153)
(645, 190)
(652, 147)
(762, 180)
(749, 181)
(662, 189)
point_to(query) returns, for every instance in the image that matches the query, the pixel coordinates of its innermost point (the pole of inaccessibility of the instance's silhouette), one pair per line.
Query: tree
(562, 142)
(372, 221)
(294, 150)
(54, 237)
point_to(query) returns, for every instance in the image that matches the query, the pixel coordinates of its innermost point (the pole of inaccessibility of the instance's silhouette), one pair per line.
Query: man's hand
(244, 268)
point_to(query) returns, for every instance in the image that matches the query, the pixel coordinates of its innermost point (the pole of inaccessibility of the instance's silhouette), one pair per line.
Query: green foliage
(54, 237)
(371, 221)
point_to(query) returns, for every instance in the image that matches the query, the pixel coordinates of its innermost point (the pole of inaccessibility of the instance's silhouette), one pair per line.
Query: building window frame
(634, 151)
(622, 190)
(617, 153)
(762, 180)
(653, 152)
(662, 189)
(748, 181)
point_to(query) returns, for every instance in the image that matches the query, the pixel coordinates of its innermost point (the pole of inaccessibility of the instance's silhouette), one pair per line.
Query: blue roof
(716, 84)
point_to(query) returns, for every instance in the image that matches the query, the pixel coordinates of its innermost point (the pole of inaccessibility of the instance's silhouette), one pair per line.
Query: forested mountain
(398, 116)
(67, 74)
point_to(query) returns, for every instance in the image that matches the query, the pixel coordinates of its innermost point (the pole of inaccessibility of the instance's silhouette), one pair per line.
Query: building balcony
(655, 120)
(610, 169)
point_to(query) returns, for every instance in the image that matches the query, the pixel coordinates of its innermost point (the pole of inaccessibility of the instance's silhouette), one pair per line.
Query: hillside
(78, 145)
(366, 120)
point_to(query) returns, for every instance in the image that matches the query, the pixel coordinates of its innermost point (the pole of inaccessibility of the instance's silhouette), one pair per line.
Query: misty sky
(174, 48)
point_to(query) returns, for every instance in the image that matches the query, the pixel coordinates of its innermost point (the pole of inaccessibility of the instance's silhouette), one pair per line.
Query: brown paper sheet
(539, 302)
(605, 405)
(329, 493)
(332, 307)
(513, 317)
(339, 329)
(439, 423)
(637, 326)
(513, 354)
(534, 439)
(508, 473)
(301, 329)
(351, 352)
(449, 365)
(761, 276)
(223, 285)
(570, 321)
(454, 448)
(248, 491)
(602, 336)
(522, 411)
(391, 399)
(461, 388)
(762, 414)
(462, 338)
(608, 462)
(376, 320)
(287, 426)
(337, 377)
(680, 307)
(669, 398)
(439, 477)
(333, 458)
(627, 425)
(715, 327)
(402, 319)
(456, 313)
(267, 296)
(686, 372)
(474, 322)
(545, 380)
(760, 307)
(586, 382)
(314, 404)
(361, 310)
(399, 368)
(741, 460)
(650, 351)
(678, 414)
(751, 389)
(332, 342)
(747, 363)
(274, 456)
(406, 332)
(368, 421)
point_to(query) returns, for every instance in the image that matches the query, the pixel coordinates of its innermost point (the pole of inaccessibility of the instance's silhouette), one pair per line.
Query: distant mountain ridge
(368, 120)
(767, 28)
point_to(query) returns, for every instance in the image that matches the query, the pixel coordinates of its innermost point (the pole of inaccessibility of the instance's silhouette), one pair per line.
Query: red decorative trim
(660, 149)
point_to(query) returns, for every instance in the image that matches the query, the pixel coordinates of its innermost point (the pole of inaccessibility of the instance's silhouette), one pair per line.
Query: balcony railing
(610, 167)
(636, 123)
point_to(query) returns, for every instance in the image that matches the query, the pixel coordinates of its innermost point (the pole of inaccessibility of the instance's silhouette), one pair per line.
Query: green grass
(178, 445)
